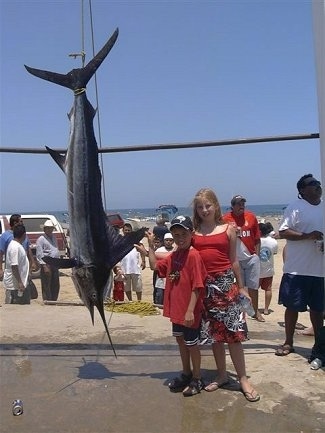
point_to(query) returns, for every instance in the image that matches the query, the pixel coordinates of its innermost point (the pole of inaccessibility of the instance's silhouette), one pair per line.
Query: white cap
(168, 236)
(49, 223)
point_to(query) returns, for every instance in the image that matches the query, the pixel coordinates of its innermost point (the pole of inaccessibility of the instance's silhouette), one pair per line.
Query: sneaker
(178, 384)
(195, 387)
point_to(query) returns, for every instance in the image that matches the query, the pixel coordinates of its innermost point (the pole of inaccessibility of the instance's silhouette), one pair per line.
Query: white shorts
(250, 272)
(134, 282)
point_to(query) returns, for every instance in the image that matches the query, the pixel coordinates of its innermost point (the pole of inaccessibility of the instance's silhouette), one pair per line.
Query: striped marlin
(95, 247)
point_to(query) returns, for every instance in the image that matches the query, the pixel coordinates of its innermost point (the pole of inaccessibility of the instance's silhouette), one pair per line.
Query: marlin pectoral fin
(60, 263)
(58, 158)
(120, 245)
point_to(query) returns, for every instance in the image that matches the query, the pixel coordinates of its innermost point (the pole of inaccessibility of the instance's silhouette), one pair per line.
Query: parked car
(34, 229)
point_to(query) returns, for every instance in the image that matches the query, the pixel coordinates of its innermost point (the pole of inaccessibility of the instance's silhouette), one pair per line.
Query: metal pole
(166, 146)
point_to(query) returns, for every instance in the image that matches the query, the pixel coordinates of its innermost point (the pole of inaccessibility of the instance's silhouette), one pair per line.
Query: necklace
(178, 261)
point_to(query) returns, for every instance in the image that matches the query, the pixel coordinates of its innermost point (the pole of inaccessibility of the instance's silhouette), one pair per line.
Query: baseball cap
(183, 221)
(168, 236)
(236, 199)
(48, 223)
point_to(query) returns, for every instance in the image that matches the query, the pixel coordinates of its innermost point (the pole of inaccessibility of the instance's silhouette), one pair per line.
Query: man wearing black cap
(248, 247)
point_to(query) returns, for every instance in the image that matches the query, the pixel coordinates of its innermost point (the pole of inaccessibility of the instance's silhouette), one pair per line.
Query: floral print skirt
(223, 320)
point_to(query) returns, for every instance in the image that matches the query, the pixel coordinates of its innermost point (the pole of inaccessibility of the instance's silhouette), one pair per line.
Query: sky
(180, 71)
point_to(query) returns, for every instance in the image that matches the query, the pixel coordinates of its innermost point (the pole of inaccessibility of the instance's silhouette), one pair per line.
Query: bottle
(246, 306)
(316, 364)
(17, 407)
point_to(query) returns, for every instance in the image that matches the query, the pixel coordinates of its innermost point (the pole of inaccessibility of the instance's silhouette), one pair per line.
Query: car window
(34, 224)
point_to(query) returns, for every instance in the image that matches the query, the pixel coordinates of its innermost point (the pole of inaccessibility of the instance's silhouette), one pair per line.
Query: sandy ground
(64, 371)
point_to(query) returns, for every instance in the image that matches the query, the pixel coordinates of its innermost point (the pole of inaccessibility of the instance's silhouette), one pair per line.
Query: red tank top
(214, 250)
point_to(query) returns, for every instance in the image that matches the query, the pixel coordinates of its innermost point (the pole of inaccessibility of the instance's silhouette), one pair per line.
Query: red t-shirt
(250, 232)
(214, 250)
(192, 276)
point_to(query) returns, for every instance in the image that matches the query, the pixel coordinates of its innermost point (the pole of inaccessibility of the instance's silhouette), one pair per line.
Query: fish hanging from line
(95, 246)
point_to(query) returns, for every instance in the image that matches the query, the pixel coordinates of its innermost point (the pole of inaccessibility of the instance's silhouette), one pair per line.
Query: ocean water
(262, 211)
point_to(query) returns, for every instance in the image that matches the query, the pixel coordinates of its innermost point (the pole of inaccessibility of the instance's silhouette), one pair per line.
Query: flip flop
(250, 396)
(213, 386)
(300, 326)
(307, 332)
(284, 350)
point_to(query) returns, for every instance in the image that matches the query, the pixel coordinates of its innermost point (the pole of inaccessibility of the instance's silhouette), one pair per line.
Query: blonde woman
(216, 243)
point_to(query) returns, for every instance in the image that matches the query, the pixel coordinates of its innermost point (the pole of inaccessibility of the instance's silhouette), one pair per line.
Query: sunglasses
(313, 183)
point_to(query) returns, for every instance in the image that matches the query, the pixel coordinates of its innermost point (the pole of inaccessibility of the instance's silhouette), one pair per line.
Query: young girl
(216, 243)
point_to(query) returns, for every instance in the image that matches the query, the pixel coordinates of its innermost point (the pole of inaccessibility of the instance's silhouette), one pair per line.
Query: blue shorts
(299, 291)
(191, 335)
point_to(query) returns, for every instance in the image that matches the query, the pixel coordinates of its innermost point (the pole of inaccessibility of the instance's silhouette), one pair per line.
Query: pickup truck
(34, 229)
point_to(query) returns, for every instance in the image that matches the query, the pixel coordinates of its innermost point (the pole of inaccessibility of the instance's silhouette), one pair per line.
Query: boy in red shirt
(183, 301)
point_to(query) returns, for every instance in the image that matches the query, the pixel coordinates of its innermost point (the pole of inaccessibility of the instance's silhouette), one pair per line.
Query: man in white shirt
(46, 246)
(131, 268)
(302, 283)
(15, 278)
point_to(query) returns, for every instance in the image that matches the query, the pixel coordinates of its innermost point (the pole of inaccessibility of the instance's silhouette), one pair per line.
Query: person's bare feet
(307, 331)
(249, 392)
(258, 316)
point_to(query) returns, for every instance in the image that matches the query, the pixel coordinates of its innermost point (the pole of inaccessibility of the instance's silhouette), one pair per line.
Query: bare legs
(190, 354)
(268, 298)
(317, 320)
(253, 293)
(129, 295)
(238, 359)
(290, 320)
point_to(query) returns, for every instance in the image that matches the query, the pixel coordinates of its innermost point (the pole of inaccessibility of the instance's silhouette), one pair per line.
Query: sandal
(259, 317)
(213, 386)
(250, 395)
(195, 387)
(178, 384)
(284, 350)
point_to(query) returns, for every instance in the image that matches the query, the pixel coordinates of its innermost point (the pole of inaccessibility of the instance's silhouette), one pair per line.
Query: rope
(79, 91)
(98, 109)
(83, 54)
(140, 308)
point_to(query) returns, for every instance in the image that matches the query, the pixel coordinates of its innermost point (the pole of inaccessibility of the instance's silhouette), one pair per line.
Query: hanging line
(98, 110)
(82, 54)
